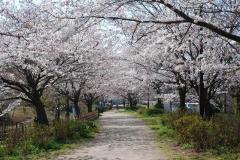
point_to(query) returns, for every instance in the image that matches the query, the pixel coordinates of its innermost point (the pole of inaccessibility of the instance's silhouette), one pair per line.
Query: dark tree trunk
(132, 100)
(204, 103)
(58, 110)
(76, 107)
(89, 99)
(207, 106)
(67, 108)
(130, 103)
(236, 100)
(57, 114)
(182, 97)
(202, 98)
(41, 113)
(170, 106)
(159, 104)
(89, 106)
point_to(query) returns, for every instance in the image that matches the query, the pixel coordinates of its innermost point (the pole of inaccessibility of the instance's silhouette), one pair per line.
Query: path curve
(122, 137)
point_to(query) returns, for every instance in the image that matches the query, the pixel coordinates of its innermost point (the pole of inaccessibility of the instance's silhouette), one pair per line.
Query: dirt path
(122, 137)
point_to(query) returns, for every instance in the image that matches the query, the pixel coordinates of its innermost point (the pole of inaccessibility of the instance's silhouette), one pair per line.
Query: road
(122, 137)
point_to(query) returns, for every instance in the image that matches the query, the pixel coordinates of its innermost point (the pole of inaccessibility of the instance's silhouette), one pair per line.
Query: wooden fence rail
(89, 116)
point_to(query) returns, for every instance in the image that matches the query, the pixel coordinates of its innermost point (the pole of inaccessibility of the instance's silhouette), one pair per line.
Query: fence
(89, 116)
(20, 128)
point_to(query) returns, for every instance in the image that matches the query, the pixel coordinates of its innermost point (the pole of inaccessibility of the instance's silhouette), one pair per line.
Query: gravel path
(122, 137)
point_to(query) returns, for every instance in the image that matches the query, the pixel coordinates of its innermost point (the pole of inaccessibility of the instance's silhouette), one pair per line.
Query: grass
(62, 148)
(168, 141)
(32, 147)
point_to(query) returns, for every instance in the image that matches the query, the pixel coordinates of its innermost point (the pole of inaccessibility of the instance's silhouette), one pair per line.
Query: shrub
(83, 129)
(154, 111)
(135, 108)
(40, 135)
(41, 138)
(184, 125)
(142, 110)
(193, 129)
(2, 151)
(226, 130)
(217, 132)
(173, 116)
(62, 130)
(151, 111)
(12, 140)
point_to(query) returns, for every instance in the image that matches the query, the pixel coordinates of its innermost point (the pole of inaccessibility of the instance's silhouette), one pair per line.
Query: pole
(148, 98)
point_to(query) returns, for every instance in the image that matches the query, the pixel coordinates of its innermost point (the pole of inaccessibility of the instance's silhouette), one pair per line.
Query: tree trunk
(207, 106)
(41, 113)
(204, 103)
(159, 104)
(67, 115)
(182, 97)
(57, 113)
(130, 101)
(237, 101)
(170, 106)
(76, 107)
(201, 95)
(89, 99)
(58, 110)
(89, 106)
(124, 103)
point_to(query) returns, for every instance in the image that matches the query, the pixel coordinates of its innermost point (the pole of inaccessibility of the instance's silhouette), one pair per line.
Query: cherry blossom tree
(46, 50)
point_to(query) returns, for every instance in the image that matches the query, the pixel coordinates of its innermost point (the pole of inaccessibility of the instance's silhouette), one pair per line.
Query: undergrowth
(40, 139)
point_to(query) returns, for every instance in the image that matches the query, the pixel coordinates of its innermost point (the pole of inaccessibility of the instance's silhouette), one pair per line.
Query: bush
(154, 111)
(151, 111)
(193, 129)
(227, 130)
(40, 135)
(217, 132)
(41, 138)
(62, 130)
(142, 110)
(83, 129)
(173, 116)
(12, 140)
(2, 151)
(135, 108)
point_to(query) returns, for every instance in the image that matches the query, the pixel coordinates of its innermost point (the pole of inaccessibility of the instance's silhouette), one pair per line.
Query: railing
(89, 116)
(20, 128)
